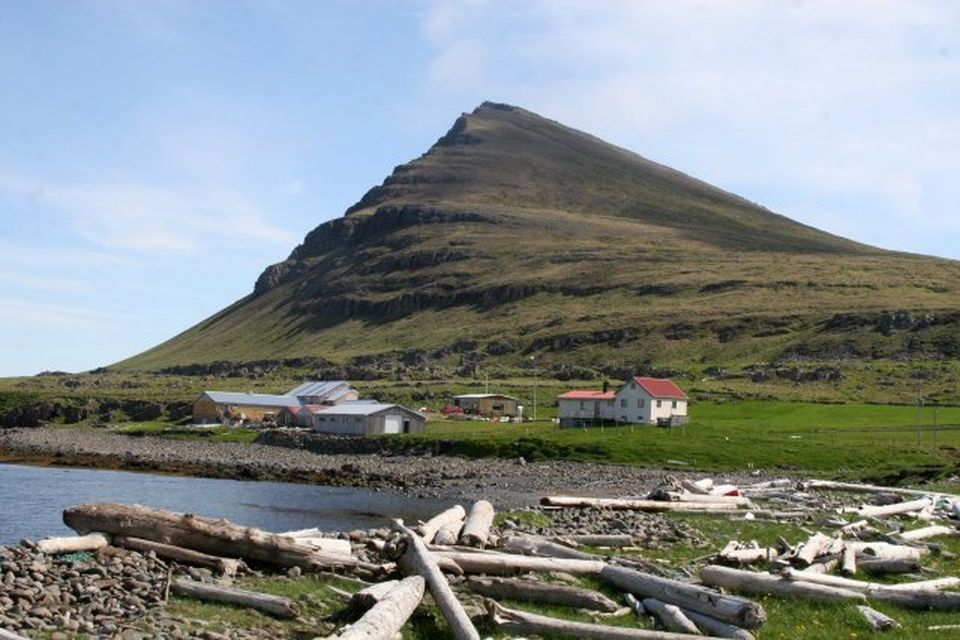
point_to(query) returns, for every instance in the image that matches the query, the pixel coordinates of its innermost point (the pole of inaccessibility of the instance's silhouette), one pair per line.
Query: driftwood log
(815, 546)
(671, 617)
(223, 566)
(385, 619)
(10, 635)
(274, 605)
(523, 623)
(769, 584)
(70, 544)
(600, 540)
(870, 511)
(476, 530)
(927, 532)
(449, 533)
(537, 546)
(877, 620)
(731, 609)
(638, 505)
(428, 529)
(365, 598)
(872, 488)
(717, 628)
(422, 561)
(216, 537)
(922, 600)
(541, 593)
(507, 564)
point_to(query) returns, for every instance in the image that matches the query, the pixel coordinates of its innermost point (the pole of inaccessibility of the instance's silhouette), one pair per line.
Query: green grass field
(862, 441)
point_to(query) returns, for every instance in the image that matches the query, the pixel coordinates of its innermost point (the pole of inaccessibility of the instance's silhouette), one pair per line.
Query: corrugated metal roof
(480, 396)
(355, 409)
(251, 399)
(587, 395)
(660, 387)
(318, 388)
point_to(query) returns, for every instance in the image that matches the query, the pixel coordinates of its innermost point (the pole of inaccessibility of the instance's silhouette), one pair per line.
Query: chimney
(606, 386)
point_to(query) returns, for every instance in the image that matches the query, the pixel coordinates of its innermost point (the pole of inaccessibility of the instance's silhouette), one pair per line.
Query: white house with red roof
(639, 400)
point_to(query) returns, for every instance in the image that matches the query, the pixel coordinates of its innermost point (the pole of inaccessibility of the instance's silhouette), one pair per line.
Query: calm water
(32, 500)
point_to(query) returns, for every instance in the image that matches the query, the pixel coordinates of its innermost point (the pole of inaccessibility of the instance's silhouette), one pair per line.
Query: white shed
(364, 419)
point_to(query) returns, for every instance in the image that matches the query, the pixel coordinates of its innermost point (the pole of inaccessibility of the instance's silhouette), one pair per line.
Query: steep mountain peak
(523, 234)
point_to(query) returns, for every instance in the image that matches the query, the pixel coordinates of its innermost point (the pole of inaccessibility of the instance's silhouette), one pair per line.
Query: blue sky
(158, 154)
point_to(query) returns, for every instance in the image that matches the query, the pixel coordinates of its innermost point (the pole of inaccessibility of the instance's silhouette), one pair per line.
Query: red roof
(660, 387)
(587, 395)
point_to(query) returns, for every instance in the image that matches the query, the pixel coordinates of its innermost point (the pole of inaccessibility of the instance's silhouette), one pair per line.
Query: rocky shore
(509, 483)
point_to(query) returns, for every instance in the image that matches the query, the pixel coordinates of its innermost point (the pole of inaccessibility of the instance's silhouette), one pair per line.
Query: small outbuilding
(363, 419)
(492, 405)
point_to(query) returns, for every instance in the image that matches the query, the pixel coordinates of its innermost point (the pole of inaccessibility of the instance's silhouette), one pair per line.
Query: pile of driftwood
(457, 557)
(453, 556)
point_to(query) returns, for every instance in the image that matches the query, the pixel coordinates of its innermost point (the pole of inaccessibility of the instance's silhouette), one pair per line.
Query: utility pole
(533, 359)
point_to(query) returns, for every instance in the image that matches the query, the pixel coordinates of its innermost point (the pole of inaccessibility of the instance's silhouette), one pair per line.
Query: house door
(392, 424)
(406, 426)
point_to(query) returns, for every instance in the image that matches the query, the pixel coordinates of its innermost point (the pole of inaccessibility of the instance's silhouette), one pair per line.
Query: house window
(674, 404)
(582, 407)
(659, 403)
(623, 418)
(623, 402)
(639, 403)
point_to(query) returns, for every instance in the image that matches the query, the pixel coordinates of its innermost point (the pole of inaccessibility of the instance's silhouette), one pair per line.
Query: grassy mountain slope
(516, 236)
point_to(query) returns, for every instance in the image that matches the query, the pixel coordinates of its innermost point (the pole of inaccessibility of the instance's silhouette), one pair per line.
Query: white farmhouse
(640, 400)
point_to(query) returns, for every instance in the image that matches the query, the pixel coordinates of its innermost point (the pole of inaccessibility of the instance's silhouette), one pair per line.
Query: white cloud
(144, 217)
(17, 314)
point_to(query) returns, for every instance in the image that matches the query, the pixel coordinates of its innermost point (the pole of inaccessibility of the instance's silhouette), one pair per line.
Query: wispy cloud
(74, 319)
(144, 217)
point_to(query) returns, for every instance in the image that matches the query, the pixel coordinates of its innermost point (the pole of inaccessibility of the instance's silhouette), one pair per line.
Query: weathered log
(635, 605)
(365, 598)
(521, 622)
(849, 564)
(671, 617)
(328, 545)
(476, 530)
(70, 544)
(541, 593)
(871, 488)
(769, 584)
(747, 556)
(537, 546)
(735, 610)
(739, 501)
(223, 566)
(926, 585)
(425, 565)
(216, 537)
(601, 540)
(274, 605)
(449, 533)
(506, 563)
(879, 566)
(927, 532)
(700, 488)
(865, 587)
(717, 628)
(385, 619)
(921, 600)
(816, 545)
(877, 620)
(638, 505)
(10, 635)
(870, 511)
(428, 529)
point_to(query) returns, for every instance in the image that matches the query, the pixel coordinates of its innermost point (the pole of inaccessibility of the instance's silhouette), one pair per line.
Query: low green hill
(514, 236)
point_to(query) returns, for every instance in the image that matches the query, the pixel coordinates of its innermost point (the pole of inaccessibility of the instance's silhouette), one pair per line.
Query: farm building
(493, 405)
(639, 400)
(363, 418)
(217, 406)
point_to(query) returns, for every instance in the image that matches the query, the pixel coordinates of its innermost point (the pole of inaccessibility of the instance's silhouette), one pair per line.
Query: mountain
(514, 236)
